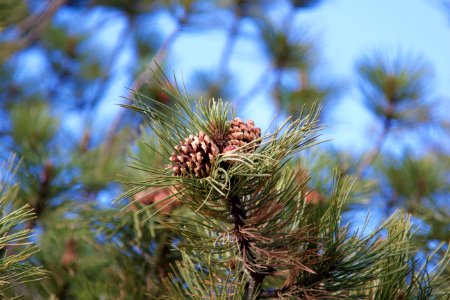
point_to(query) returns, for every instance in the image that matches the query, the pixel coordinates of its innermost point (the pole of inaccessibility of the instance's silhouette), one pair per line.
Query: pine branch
(231, 40)
(257, 87)
(257, 273)
(43, 193)
(15, 247)
(247, 221)
(34, 27)
(373, 154)
(141, 79)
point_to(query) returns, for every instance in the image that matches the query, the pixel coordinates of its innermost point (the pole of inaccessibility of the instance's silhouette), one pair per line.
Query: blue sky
(345, 31)
(350, 29)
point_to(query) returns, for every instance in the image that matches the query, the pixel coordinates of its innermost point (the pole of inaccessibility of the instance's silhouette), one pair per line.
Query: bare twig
(43, 194)
(238, 215)
(145, 76)
(38, 24)
(121, 42)
(258, 86)
(373, 154)
(278, 90)
(228, 48)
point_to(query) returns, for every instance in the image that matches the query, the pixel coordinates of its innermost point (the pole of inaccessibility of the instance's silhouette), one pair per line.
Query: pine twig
(373, 154)
(39, 23)
(44, 191)
(118, 48)
(278, 90)
(257, 87)
(145, 76)
(238, 215)
(228, 48)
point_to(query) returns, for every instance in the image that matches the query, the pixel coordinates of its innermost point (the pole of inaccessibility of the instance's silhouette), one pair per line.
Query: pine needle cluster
(247, 231)
(15, 245)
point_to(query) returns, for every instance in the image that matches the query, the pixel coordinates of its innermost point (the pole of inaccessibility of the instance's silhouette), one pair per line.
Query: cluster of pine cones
(194, 156)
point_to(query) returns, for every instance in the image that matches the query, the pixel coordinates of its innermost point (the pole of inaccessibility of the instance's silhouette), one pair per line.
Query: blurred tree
(60, 61)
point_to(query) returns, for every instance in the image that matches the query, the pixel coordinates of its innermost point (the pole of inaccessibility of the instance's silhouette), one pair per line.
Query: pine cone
(150, 196)
(194, 156)
(70, 253)
(240, 134)
(314, 197)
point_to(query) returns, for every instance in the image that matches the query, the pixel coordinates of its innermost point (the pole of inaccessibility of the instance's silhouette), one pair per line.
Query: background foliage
(61, 62)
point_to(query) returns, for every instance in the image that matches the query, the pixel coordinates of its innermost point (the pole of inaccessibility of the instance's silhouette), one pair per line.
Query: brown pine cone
(314, 197)
(150, 196)
(240, 134)
(194, 156)
(70, 253)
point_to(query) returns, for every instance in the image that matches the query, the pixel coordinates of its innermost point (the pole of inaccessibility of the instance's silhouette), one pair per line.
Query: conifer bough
(245, 228)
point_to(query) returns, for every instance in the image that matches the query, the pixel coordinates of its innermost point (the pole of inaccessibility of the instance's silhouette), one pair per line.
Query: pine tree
(57, 75)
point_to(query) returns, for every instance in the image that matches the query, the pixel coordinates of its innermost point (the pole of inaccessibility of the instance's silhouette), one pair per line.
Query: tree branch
(238, 215)
(257, 87)
(39, 23)
(373, 154)
(229, 44)
(145, 76)
(118, 48)
(43, 194)
(271, 294)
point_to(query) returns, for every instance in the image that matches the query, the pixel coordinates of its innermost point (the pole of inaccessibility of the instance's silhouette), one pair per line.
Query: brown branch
(257, 87)
(238, 215)
(278, 91)
(118, 48)
(373, 154)
(158, 269)
(230, 42)
(37, 25)
(43, 194)
(158, 58)
(143, 77)
(272, 293)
